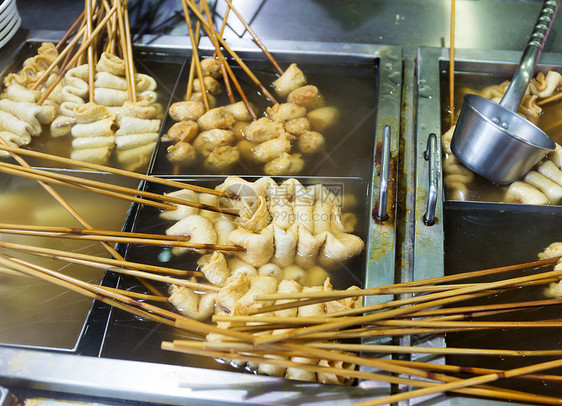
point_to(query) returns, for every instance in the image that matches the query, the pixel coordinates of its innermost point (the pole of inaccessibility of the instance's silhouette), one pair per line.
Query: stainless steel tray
(130, 338)
(471, 235)
(480, 68)
(350, 83)
(118, 378)
(358, 175)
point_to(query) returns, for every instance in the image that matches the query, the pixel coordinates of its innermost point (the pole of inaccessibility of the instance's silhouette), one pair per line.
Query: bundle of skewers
(86, 86)
(285, 329)
(304, 333)
(218, 137)
(274, 323)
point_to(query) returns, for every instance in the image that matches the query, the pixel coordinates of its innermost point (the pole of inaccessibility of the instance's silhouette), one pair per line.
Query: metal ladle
(492, 139)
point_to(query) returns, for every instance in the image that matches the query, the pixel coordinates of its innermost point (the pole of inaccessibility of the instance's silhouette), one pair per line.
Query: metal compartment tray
(471, 235)
(119, 378)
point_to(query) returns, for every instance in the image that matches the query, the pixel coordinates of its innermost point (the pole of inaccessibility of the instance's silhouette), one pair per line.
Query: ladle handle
(514, 94)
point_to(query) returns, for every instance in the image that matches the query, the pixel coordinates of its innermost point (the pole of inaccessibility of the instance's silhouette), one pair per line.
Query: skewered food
(190, 304)
(101, 120)
(198, 228)
(284, 225)
(291, 79)
(187, 110)
(521, 192)
(269, 141)
(93, 136)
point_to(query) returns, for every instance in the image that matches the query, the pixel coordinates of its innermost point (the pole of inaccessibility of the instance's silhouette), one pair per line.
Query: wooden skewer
(404, 349)
(157, 313)
(66, 51)
(91, 67)
(111, 32)
(256, 38)
(47, 178)
(472, 316)
(223, 67)
(368, 292)
(90, 290)
(134, 175)
(189, 90)
(74, 59)
(80, 58)
(124, 50)
(291, 321)
(224, 20)
(12, 272)
(550, 99)
(463, 383)
(451, 66)
(432, 300)
(92, 231)
(70, 30)
(368, 348)
(557, 323)
(145, 275)
(288, 321)
(386, 366)
(195, 56)
(484, 308)
(218, 52)
(338, 294)
(365, 332)
(113, 263)
(136, 295)
(365, 309)
(249, 107)
(370, 332)
(129, 62)
(473, 370)
(99, 187)
(65, 65)
(127, 240)
(244, 67)
(84, 260)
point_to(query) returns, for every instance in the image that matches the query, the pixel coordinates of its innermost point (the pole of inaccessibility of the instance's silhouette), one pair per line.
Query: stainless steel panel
(36, 313)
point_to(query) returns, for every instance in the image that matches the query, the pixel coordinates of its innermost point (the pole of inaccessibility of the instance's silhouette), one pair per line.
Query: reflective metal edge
(381, 255)
(428, 240)
(6, 398)
(162, 384)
